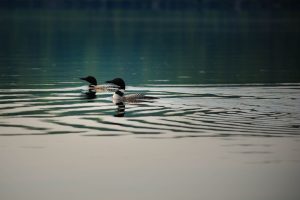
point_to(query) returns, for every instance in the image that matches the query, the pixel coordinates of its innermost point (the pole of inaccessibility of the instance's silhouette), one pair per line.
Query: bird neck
(120, 92)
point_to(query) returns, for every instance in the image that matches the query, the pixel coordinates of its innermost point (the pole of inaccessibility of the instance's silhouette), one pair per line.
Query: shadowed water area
(228, 88)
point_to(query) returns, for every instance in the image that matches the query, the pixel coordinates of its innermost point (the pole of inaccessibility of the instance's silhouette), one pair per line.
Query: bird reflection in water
(120, 112)
(90, 94)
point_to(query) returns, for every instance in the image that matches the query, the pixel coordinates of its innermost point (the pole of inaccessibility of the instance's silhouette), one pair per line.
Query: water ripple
(181, 111)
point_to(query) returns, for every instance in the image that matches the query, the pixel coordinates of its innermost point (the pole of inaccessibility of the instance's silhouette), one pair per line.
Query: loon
(94, 87)
(119, 96)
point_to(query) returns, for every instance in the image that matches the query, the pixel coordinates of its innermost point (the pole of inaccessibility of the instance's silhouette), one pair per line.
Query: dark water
(228, 86)
(187, 48)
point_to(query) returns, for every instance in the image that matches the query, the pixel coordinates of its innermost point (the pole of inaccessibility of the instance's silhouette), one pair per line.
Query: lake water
(226, 124)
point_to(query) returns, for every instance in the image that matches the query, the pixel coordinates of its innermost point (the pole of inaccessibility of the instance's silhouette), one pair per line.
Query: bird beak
(108, 81)
(83, 79)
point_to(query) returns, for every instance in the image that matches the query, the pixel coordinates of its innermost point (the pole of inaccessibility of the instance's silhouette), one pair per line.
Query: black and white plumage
(92, 80)
(94, 87)
(119, 95)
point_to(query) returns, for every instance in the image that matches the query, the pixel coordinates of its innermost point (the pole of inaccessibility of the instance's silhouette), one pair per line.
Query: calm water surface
(228, 107)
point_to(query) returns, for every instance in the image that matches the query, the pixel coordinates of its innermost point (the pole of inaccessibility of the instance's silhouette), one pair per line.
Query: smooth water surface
(226, 124)
(181, 48)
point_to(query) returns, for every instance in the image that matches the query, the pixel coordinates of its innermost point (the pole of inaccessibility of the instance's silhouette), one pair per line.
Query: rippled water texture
(181, 111)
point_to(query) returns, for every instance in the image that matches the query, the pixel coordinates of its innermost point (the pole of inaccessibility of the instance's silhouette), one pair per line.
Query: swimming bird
(94, 87)
(119, 96)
